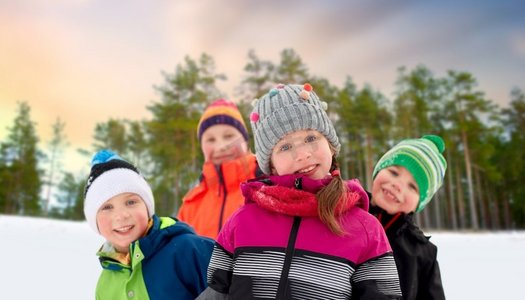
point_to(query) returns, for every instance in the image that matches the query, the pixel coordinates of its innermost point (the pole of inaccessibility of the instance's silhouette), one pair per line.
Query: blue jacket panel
(171, 259)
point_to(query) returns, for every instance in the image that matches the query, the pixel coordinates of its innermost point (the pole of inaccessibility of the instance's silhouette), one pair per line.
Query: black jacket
(415, 256)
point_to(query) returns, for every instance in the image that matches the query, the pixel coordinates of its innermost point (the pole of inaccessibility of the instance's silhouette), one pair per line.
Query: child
(228, 162)
(144, 256)
(405, 179)
(304, 233)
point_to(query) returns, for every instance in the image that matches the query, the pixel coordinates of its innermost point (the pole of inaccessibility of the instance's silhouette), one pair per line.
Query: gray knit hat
(283, 110)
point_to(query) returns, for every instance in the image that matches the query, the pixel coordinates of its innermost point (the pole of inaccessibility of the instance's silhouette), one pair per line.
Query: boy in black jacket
(405, 179)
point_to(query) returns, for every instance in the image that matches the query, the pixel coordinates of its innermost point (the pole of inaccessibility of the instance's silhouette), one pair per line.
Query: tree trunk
(468, 168)
(461, 205)
(484, 218)
(369, 164)
(452, 199)
(49, 182)
(437, 209)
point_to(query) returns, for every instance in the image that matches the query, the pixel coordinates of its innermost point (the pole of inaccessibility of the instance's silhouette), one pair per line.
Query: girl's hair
(330, 198)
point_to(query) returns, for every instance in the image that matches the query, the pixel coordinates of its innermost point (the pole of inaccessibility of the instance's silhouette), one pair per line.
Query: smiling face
(395, 190)
(221, 143)
(122, 220)
(302, 152)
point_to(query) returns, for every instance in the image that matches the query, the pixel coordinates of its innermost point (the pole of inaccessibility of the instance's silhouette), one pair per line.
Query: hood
(162, 231)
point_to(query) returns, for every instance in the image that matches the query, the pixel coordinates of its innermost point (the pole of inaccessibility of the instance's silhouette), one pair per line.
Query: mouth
(391, 196)
(124, 229)
(306, 170)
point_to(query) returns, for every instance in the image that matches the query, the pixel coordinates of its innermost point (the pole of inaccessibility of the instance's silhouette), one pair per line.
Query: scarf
(295, 195)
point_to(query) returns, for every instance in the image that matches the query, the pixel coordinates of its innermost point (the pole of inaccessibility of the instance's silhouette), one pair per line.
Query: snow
(50, 259)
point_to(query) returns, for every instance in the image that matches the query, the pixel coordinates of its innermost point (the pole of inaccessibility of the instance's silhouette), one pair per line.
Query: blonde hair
(329, 199)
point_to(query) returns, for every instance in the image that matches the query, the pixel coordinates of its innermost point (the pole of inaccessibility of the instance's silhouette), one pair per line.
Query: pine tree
(54, 157)
(172, 132)
(20, 174)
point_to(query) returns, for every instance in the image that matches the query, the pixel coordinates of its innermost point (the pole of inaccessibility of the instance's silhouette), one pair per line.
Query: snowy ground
(47, 259)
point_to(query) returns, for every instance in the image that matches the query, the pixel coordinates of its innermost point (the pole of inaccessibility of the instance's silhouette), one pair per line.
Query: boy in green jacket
(144, 256)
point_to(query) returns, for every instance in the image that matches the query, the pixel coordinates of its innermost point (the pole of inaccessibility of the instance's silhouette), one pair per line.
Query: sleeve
(181, 213)
(196, 256)
(220, 270)
(376, 279)
(433, 287)
(376, 276)
(211, 294)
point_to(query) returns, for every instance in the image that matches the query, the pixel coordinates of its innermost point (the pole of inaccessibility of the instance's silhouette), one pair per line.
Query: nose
(122, 215)
(396, 186)
(223, 145)
(302, 153)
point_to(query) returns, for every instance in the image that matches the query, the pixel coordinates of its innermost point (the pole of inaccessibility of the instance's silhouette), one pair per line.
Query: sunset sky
(86, 61)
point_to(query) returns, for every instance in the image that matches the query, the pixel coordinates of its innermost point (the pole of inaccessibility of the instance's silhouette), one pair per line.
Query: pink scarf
(285, 199)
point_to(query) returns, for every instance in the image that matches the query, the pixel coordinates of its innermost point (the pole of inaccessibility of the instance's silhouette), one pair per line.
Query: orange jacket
(207, 206)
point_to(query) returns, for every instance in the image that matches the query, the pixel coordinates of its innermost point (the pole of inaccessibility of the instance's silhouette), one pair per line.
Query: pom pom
(324, 105)
(273, 92)
(254, 117)
(305, 95)
(308, 87)
(438, 141)
(103, 156)
(254, 102)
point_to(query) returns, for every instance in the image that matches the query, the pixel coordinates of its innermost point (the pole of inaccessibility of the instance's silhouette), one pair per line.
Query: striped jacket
(262, 254)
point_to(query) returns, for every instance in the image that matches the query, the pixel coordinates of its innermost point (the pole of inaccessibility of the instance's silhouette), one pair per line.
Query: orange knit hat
(222, 112)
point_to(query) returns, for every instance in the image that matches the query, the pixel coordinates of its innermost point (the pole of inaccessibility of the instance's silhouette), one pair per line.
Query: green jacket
(170, 262)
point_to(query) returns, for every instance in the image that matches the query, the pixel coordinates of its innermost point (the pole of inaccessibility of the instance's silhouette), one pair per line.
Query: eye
(285, 147)
(131, 201)
(228, 136)
(413, 187)
(106, 207)
(310, 138)
(393, 172)
(210, 140)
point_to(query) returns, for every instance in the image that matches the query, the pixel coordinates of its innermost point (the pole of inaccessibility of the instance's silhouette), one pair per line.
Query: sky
(51, 259)
(86, 61)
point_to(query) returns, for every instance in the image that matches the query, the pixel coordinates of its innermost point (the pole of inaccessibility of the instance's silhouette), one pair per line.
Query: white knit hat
(111, 175)
(283, 110)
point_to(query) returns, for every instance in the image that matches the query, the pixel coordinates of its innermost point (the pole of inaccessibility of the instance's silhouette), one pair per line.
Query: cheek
(104, 223)
(277, 164)
(207, 151)
(411, 203)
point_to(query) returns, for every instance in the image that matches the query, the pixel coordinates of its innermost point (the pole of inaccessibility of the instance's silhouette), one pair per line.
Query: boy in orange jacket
(227, 162)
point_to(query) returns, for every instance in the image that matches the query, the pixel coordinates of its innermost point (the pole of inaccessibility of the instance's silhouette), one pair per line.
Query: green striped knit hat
(423, 159)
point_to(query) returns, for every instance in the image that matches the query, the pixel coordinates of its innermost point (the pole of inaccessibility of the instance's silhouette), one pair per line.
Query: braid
(328, 199)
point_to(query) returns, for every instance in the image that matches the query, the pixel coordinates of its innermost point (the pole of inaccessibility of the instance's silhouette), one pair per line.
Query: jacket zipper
(290, 249)
(224, 195)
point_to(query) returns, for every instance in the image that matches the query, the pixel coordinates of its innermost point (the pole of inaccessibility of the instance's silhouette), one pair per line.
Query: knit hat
(111, 175)
(283, 110)
(423, 159)
(222, 112)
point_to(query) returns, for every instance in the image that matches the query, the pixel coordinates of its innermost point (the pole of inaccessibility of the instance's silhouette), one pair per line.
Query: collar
(107, 250)
(243, 168)
(295, 195)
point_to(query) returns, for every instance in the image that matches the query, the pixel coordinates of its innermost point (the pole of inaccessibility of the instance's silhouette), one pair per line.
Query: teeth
(391, 195)
(124, 229)
(306, 170)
